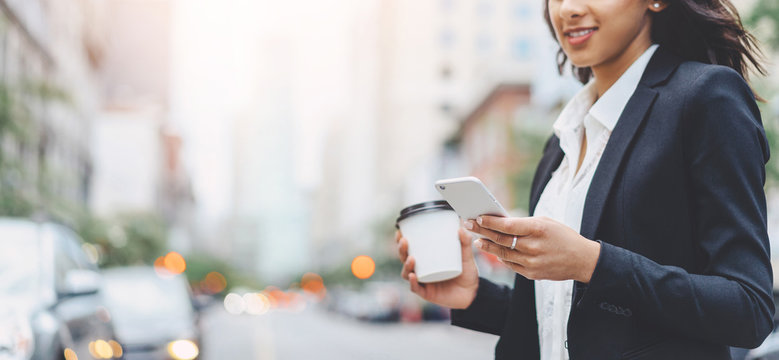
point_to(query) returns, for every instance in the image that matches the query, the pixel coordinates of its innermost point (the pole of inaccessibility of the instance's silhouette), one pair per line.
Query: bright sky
(217, 49)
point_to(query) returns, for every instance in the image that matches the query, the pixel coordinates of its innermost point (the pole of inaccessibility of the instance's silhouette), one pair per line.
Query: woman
(648, 239)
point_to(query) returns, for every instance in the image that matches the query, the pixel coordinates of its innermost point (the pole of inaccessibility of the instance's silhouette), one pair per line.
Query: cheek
(555, 26)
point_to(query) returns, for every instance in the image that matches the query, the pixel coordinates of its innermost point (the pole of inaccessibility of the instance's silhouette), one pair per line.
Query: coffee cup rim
(422, 207)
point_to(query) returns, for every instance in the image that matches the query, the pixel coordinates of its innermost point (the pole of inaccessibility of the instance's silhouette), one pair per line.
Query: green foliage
(200, 264)
(26, 182)
(771, 125)
(387, 268)
(767, 12)
(128, 239)
(528, 144)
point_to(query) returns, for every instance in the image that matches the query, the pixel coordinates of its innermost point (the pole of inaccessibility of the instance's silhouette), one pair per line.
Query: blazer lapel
(629, 122)
(658, 70)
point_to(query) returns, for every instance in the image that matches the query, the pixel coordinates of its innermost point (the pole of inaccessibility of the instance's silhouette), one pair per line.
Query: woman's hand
(456, 293)
(545, 249)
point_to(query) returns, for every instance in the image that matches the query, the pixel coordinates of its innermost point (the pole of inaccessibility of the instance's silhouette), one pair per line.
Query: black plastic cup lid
(422, 207)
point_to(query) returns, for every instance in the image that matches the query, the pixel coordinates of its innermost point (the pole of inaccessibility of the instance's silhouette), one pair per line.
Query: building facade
(51, 53)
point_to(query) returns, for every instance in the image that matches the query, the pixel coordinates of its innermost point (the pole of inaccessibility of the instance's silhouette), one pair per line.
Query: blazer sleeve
(730, 301)
(488, 311)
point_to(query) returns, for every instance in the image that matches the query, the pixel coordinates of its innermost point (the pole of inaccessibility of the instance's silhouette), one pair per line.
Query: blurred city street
(221, 179)
(317, 334)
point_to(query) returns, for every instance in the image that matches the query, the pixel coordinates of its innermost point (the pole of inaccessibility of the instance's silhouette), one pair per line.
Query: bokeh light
(272, 302)
(116, 348)
(93, 350)
(256, 304)
(234, 304)
(70, 354)
(103, 350)
(280, 297)
(363, 267)
(296, 302)
(159, 268)
(175, 263)
(312, 283)
(183, 350)
(91, 251)
(214, 283)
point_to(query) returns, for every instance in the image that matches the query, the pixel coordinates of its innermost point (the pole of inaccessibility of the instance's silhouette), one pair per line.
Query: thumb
(465, 245)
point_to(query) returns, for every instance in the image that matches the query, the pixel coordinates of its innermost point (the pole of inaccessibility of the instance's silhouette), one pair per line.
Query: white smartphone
(469, 197)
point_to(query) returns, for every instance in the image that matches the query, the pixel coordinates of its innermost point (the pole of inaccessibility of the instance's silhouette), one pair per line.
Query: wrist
(471, 297)
(590, 255)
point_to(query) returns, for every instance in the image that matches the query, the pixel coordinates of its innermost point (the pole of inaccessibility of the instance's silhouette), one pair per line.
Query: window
(446, 39)
(522, 11)
(483, 42)
(447, 5)
(484, 9)
(520, 49)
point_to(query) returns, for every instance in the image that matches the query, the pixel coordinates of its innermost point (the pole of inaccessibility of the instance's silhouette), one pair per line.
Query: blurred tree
(26, 182)
(127, 239)
(528, 144)
(201, 264)
(766, 12)
(763, 20)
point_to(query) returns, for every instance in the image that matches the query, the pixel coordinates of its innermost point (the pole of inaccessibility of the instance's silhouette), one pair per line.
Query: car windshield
(19, 259)
(141, 297)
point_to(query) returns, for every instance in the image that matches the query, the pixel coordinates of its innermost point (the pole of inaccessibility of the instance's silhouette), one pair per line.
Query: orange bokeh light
(312, 283)
(70, 354)
(363, 267)
(174, 263)
(116, 348)
(214, 283)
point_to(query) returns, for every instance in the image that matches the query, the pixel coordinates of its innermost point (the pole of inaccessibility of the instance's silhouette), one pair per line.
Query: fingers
(510, 225)
(398, 235)
(485, 233)
(519, 269)
(465, 238)
(416, 287)
(466, 244)
(403, 249)
(494, 236)
(408, 267)
(503, 253)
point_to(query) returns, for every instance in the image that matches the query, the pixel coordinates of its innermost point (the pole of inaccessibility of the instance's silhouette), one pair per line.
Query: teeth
(580, 33)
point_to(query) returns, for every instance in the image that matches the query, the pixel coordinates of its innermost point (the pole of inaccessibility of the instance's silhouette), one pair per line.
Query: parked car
(153, 313)
(50, 295)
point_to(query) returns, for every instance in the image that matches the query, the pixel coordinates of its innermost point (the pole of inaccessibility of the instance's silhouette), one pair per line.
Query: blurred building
(50, 54)
(489, 136)
(434, 62)
(243, 80)
(137, 152)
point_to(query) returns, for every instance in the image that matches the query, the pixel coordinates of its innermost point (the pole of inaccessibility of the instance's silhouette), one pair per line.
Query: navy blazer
(677, 203)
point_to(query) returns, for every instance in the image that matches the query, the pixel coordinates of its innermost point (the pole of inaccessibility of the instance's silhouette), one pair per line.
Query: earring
(656, 5)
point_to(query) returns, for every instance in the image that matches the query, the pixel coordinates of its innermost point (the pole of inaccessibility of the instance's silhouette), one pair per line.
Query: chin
(579, 62)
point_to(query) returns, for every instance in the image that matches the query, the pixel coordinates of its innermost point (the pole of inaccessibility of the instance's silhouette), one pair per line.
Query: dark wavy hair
(708, 31)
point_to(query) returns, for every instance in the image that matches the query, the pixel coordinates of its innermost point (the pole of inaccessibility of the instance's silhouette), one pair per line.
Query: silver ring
(514, 243)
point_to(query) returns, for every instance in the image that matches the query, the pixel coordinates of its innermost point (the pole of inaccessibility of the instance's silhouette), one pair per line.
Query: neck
(607, 73)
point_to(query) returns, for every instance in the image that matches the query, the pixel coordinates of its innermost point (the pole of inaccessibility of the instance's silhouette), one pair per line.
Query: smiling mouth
(580, 33)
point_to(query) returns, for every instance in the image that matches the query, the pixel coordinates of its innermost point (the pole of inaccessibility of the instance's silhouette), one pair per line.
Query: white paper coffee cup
(431, 230)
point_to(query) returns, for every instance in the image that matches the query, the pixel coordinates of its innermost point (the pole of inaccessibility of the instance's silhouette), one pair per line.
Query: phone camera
(442, 187)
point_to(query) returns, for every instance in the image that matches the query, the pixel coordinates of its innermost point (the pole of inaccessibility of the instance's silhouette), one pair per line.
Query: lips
(579, 35)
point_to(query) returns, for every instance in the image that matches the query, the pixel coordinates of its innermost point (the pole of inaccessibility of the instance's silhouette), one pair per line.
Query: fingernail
(478, 220)
(469, 225)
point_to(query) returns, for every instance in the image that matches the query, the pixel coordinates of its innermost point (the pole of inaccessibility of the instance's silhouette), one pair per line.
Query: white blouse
(564, 195)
